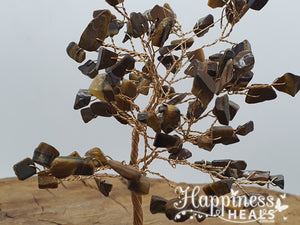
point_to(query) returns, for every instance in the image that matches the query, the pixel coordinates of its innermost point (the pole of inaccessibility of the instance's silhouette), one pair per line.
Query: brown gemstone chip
(166, 141)
(45, 180)
(278, 180)
(235, 164)
(169, 61)
(196, 54)
(230, 140)
(226, 77)
(158, 204)
(220, 133)
(216, 3)
(75, 52)
(257, 4)
(114, 27)
(218, 188)
(24, 169)
(202, 26)
(203, 87)
(169, 117)
(137, 26)
(114, 2)
(141, 186)
(127, 171)
(182, 154)
(233, 108)
(106, 58)
(221, 109)
(245, 129)
(177, 99)
(89, 69)
(44, 154)
(242, 46)
(129, 88)
(244, 61)
(195, 109)
(158, 13)
(75, 154)
(95, 33)
(97, 156)
(83, 98)
(167, 90)
(288, 83)
(151, 120)
(122, 67)
(260, 93)
(235, 10)
(205, 142)
(254, 175)
(87, 114)
(143, 85)
(104, 187)
(102, 89)
(228, 54)
(102, 109)
(162, 31)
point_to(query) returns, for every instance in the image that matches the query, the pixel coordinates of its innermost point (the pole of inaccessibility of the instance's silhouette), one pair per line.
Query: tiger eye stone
(95, 33)
(122, 103)
(44, 154)
(104, 187)
(242, 46)
(195, 109)
(241, 80)
(181, 155)
(202, 26)
(278, 180)
(24, 169)
(170, 117)
(114, 2)
(87, 114)
(151, 120)
(256, 4)
(75, 52)
(183, 43)
(216, 57)
(83, 98)
(203, 87)
(235, 10)
(233, 108)
(218, 188)
(106, 58)
(194, 67)
(244, 61)
(45, 180)
(101, 88)
(102, 109)
(139, 25)
(158, 13)
(75, 154)
(288, 83)
(122, 67)
(129, 88)
(219, 133)
(216, 3)
(162, 31)
(114, 27)
(89, 69)
(228, 54)
(196, 54)
(166, 141)
(221, 109)
(167, 90)
(169, 61)
(143, 85)
(254, 175)
(229, 140)
(97, 157)
(245, 128)
(260, 93)
(205, 142)
(235, 164)
(141, 186)
(177, 99)
(226, 77)
(127, 171)
(158, 204)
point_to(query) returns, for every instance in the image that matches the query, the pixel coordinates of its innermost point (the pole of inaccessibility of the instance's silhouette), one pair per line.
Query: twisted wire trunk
(136, 199)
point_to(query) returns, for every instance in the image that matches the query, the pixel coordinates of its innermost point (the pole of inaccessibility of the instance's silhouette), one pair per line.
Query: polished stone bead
(139, 25)
(242, 46)
(45, 180)
(75, 52)
(205, 142)
(158, 204)
(151, 120)
(158, 13)
(218, 188)
(230, 140)
(103, 109)
(143, 85)
(169, 118)
(177, 99)
(83, 98)
(195, 109)
(141, 186)
(279, 181)
(221, 109)
(228, 54)
(97, 157)
(216, 3)
(166, 141)
(75, 154)
(122, 67)
(219, 133)
(233, 108)
(85, 167)
(162, 31)
(127, 171)
(44, 154)
(203, 87)
(244, 61)
(89, 69)
(288, 83)
(181, 155)
(104, 187)
(102, 89)
(256, 175)
(95, 33)
(203, 25)
(225, 78)
(235, 10)
(245, 129)
(169, 61)
(256, 4)
(235, 164)
(260, 93)
(87, 115)
(196, 54)
(24, 169)
(129, 88)
(106, 58)
(241, 80)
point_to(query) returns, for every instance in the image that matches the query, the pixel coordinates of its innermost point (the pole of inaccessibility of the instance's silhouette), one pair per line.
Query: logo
(233, 207)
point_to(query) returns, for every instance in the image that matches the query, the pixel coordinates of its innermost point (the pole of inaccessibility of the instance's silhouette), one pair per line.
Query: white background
(39, 82)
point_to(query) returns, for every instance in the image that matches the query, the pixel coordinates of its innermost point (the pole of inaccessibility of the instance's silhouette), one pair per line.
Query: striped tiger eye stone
(75, 52)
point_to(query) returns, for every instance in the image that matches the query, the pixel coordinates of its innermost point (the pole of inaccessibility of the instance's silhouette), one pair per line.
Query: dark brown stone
(225, 78)
(220, 133)
(202, 26)
(75, 154)
(83, 98)
(114, 2)
(278, 180)
(123, 103)
(245, 129)
(288, 83)
(233, 108)
(121, 119)
(158, 204)
(24, 169)
(216, 3)
(166, 141)
(158, 13)
(45, 180)
(234, 164)
(194, 67)
(167, 90)
(169, 118)
(106, 58)
(242, 46)
(97, 157)
(221, 109)
(205, 142)
(256, 175)
(235, 10)
(114, 27)
(169, 61)
(195, 109)
(143, 85)
(228, 54)
(95, 33)
(260, 93)
(122, 67)
(151, 120)
(181, 155)
(244, 61)
(212, 68)
(89, 69)
(216, 57)
(75, 52)
(176, 214)
(218, 188)
(127, 171)
(104, 187)
(162, 31)
(141, 186)
(230, 140)
(87, 115)
(196, 54)
(177, 99)
(44, 154)
(129, 88)
(102, 109)
(256, 4)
